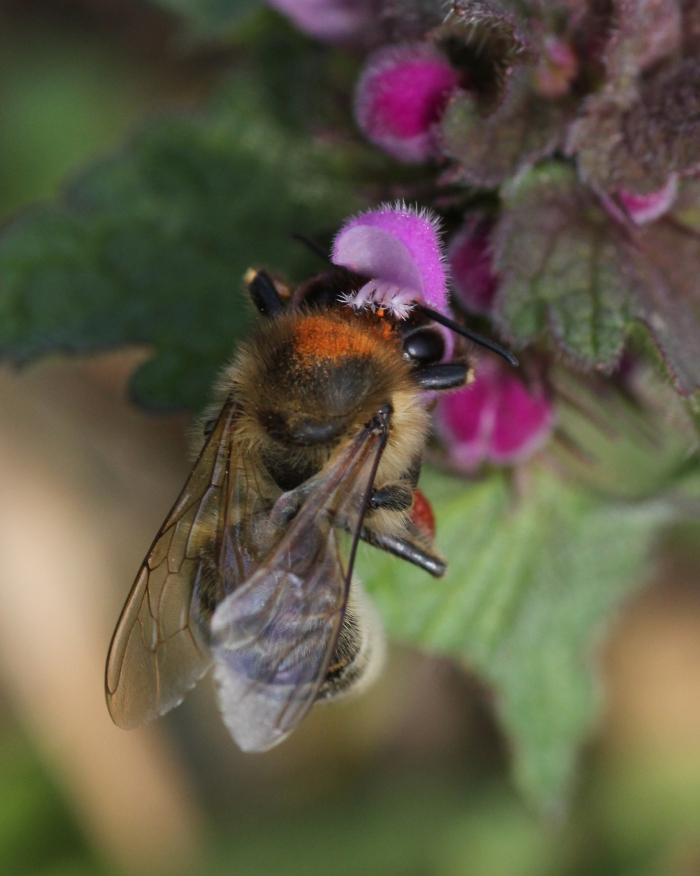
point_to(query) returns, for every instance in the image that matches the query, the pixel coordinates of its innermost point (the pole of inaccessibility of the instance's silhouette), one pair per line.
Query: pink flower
(337, 21)
(397, 245)
(469, 256)
(495, 419)
(646, 208)
(399, 249)
(401, 96)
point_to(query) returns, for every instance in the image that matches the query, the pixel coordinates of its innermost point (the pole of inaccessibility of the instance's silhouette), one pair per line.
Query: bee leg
(263, 293)
(395, 497)
(406, 550)
(445, 375)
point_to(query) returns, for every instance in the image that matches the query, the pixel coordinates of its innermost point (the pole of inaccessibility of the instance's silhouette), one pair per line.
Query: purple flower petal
(495, 419)
(337, 21)
(464, 420)
(470, 258)
(398, 245)
(523, 422)
(400, 97)
(646, 208)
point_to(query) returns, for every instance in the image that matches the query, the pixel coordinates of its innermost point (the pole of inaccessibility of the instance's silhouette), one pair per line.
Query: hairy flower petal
(401, 96)
(399, 245)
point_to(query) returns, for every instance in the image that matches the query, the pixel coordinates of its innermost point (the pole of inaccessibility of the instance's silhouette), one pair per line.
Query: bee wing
(159, 649)
(274, 637)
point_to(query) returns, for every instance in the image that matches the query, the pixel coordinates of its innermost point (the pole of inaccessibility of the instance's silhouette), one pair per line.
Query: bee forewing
(274, 637)
(159, 649)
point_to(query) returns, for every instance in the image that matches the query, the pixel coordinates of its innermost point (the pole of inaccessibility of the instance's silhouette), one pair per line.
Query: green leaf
(531, 584)
(562, 268)
(211, 18)
(151, 246)
(628, 438)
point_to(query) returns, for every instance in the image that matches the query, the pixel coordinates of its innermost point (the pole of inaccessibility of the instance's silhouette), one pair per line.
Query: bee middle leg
(394, 497)
(407, 550)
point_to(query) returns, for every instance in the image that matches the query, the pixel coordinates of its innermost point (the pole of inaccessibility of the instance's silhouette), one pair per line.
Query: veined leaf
(523, 130)
(532, 583)
(562, 268)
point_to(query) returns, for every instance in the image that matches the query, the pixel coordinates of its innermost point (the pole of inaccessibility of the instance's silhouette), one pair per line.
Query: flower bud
(400, 98)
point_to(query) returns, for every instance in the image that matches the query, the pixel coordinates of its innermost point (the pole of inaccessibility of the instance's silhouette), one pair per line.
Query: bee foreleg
(406, 550)
(445, 375)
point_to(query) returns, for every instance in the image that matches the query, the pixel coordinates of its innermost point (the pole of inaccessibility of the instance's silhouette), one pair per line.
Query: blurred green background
(410, 780)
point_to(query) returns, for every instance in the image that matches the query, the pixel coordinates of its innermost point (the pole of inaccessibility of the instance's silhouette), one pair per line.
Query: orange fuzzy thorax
(320, 338)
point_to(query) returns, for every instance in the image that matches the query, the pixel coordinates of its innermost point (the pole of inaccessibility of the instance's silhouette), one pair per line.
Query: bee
(317, 442)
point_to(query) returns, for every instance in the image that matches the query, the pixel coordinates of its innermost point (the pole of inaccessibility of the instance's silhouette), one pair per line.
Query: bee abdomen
(359, 655)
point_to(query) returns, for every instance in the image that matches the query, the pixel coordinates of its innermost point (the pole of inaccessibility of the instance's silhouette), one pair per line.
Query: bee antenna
(313, 245)
(436, 316)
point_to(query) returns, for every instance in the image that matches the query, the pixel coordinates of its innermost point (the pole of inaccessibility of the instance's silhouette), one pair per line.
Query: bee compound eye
(424, 345)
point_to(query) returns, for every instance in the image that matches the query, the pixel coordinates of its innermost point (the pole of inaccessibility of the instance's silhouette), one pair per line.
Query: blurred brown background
(412, 778)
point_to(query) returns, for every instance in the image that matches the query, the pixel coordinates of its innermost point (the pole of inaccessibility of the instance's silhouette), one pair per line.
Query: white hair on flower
(376, 295)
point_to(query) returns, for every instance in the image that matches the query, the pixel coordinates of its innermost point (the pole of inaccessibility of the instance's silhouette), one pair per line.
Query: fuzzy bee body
(316, 441)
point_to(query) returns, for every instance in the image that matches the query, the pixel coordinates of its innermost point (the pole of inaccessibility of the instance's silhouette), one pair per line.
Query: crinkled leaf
(524, 129)
(666, 263)
(211, 18)
(487, 42)
(150, 247)
(629, 136)
(663, 129)
(530, 586)
(645, 32)
(557, 253)
(605, 157)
